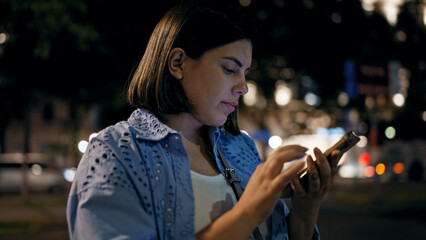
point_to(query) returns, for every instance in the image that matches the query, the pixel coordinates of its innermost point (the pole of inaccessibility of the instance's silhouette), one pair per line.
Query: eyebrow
(238, 62)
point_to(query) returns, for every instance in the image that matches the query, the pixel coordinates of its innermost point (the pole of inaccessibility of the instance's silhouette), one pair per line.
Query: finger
(298, 187)
(285, 177)
(313, 174)
(287, 149)
(292, 146)
(335, 158)
(274, 165)
(323, 166)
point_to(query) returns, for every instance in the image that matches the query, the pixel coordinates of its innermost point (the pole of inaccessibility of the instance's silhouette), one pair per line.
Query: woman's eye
(228, 70)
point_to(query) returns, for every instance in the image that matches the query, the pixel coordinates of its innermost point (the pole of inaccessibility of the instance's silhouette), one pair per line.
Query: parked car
(41, 173)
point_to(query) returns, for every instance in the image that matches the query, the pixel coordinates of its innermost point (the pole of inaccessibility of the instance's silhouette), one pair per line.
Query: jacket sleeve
(108, 214)
(103, 204)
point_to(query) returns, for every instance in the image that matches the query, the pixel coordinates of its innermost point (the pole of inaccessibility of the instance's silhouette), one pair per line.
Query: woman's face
(214, 82)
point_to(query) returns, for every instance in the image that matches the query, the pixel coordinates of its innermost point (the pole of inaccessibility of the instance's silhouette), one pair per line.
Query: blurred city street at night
(319, 69)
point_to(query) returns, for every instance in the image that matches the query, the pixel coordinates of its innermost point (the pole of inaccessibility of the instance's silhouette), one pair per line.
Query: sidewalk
(390, 211)
(350, 212)
(42, 217)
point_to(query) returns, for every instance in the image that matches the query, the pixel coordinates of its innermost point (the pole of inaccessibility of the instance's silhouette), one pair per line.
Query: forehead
(240, 50)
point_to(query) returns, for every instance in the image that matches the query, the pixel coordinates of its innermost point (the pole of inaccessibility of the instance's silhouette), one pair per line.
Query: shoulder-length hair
(196, 27)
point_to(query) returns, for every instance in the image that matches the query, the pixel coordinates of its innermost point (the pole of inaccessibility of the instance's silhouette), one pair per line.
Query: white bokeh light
(250, 98)
(398, 99)
(282, 94)
(82, 145)
(312, 99)
(275, 141)
(362, 142)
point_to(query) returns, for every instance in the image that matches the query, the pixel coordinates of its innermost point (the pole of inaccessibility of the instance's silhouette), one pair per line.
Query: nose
(241, 88)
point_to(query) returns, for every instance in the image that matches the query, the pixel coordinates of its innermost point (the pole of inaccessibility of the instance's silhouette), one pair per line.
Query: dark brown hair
(196, 27)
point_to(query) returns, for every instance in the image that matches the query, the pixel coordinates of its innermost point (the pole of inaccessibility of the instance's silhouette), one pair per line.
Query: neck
(186, 124)
(202, 160)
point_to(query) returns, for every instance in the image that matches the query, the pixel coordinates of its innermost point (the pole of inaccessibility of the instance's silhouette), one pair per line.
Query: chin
(215, 120)
(218, 122)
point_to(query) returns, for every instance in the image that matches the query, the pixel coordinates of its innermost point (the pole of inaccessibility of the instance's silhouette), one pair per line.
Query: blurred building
(53, 127)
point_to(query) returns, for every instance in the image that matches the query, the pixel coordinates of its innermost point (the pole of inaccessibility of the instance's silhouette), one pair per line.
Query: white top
(212, 196)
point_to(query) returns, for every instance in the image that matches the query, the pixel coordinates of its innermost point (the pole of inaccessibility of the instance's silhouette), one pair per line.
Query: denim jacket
(134, 182)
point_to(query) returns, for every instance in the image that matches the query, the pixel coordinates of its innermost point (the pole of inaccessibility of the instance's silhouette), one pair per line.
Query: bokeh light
(343, 99)
(82, 145)
(312, 99)
(364, 158)
(390, 132)
(380, 169)
(283, 94)
(275, 141)
(369, 102)
(362, 142)
(347, 171)
(69, 174)
(251, 97)
(92, 136)
(3, 38)
(36, 169)
(398, 99)
(369, 171)
(424, 15)
(245, 3)
(398, 168)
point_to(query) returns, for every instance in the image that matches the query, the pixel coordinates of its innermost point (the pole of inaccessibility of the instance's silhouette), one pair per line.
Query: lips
(234, 104)
(231, 105)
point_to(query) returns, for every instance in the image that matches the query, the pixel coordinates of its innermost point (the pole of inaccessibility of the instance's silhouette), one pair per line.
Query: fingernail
(302, 153)
(300, 158)
(316, 150)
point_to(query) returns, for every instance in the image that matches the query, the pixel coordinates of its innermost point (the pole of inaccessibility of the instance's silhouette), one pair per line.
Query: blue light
(336, 131)
(330, 131)
(349, 71)
(321, 131)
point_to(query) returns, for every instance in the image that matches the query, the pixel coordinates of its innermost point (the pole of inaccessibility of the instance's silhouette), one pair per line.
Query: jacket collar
(149, 127)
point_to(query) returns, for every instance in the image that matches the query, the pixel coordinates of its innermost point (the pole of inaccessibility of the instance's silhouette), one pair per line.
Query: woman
(158, 175)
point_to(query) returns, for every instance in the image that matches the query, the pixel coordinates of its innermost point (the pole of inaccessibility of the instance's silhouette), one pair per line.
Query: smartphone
(344, 144)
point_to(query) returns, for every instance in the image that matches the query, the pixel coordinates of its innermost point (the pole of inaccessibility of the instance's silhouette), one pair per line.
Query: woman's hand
(320, 174)
(267, 182)
(306, 203)
(259, 198)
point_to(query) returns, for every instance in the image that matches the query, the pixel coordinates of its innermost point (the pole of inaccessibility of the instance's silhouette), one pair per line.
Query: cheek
(202, 88)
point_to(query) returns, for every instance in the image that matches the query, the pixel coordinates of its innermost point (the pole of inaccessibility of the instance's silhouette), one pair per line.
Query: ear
(175, 60)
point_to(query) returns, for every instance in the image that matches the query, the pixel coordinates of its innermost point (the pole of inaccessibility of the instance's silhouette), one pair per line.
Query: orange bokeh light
(398, 168)
(380, 168)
